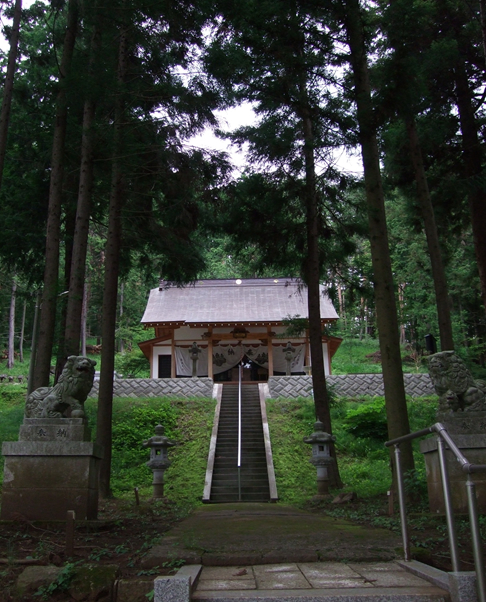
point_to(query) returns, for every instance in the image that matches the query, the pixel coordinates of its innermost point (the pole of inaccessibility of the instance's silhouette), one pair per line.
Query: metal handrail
(239, 433)
(443, 438)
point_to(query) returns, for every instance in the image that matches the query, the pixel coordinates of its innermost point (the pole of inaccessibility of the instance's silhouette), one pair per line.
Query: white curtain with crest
(226, 356)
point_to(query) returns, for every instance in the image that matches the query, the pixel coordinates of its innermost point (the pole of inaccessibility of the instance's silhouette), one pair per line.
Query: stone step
(253, 472)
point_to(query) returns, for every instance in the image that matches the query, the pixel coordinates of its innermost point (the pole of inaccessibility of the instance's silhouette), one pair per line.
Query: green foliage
(132, 364)
(186, 475)
(295, 326)
(61, 584)
(131, 426)
(368, 420)
(289, 422)
(351, 356)
(12, 401)
(364, 462)
(188, 422)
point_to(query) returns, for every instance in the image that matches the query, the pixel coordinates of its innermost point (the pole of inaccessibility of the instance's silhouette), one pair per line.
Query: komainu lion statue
(455, 385)
(66, 398)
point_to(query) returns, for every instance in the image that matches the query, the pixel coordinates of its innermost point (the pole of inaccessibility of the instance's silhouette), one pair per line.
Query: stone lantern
(159, 459)
(321, 457)
(289, 356)
(194, 354)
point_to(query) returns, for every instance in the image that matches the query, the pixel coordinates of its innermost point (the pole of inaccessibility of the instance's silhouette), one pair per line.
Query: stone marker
(53, 467)
(462, 410)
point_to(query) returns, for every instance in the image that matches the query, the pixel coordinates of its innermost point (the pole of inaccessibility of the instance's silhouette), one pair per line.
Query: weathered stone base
(474, 449)
(43, 480)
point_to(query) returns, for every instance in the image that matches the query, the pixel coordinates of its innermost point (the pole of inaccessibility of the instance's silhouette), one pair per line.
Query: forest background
(103, 193)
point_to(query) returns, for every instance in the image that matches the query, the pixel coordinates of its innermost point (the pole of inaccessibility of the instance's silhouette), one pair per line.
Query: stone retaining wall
(345, 385)
(159, 387)
(348, 385)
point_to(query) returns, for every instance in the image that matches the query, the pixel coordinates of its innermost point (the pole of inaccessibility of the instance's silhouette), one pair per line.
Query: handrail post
(476, 539)
(239, 433)
(451, 527)
(401, 501)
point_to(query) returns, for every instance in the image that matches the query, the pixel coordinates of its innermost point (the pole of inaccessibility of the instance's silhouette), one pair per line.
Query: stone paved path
(251, 534)
(273, 552)
(315, 575)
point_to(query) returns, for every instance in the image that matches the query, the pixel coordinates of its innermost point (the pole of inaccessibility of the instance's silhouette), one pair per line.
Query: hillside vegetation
(359, 426)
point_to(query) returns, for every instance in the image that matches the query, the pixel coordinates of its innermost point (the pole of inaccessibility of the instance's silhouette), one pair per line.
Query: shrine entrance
(251, 372)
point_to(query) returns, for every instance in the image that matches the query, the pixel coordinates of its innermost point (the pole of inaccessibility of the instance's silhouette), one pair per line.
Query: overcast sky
(229, 120)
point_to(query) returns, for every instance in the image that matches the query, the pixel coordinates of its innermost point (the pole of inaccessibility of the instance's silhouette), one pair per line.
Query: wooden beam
(228, 336)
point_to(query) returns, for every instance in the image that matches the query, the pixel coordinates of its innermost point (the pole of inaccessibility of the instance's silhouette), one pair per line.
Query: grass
(363, 461)
(352, 358)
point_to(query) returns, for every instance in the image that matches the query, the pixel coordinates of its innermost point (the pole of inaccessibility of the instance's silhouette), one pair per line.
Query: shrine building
(207, 328)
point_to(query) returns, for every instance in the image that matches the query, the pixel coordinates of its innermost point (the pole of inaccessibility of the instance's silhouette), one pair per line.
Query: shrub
(368, 420)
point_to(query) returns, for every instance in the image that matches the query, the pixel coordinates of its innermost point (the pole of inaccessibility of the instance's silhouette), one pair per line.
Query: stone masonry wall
(345, 385)
(159, 387)
(348, 385)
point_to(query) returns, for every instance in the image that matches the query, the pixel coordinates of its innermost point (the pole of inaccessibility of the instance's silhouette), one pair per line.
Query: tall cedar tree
(275, 60)
(404, 93)
(53, 232)
(156, 183)
(9, 84)
(112, 266)
(386, 310)
(77, 271)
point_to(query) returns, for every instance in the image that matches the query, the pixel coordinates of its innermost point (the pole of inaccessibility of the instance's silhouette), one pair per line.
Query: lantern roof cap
(319, 435)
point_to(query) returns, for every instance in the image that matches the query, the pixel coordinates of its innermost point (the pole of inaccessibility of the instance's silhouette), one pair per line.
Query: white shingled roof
(231, 301)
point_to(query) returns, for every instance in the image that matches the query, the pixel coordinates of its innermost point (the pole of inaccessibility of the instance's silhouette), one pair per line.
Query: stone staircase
(254, 485)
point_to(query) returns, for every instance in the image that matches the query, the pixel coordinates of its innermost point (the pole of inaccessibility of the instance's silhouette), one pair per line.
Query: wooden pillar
(210, 353)
(270, 351)
(173, 367)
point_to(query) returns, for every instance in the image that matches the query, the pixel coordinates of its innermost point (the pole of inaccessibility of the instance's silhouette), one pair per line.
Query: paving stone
(214, 585)
(276, 568)
(318, 570)
(398, 578)
(375, 566)
(280, 576)
(227, 572)
(291, 580)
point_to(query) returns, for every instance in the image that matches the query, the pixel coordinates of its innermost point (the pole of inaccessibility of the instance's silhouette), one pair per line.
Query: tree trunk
(471, 150)
(70, 184)
(83, 212)
(11, 327)
(110, 292)
(386, 310)
(51, 272)
(22, 333)
(312, 276)
(427, 209)
(121, 346)
(8, 86)
(33, 349)
(482, 12)
(84, 315)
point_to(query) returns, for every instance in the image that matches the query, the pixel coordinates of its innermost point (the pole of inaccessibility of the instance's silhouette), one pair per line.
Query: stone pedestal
(53, 468)
(474, 449)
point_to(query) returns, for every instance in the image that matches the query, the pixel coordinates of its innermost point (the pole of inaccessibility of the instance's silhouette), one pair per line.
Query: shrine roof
(262, 300)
